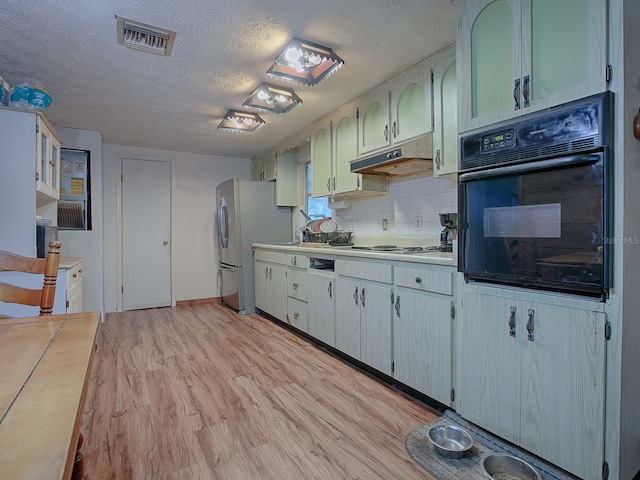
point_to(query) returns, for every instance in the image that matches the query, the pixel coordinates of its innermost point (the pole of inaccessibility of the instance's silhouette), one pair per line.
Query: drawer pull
(75, 275)
(418, 280)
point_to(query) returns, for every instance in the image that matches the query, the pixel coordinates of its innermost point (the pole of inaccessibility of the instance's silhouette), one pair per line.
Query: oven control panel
(499, 140)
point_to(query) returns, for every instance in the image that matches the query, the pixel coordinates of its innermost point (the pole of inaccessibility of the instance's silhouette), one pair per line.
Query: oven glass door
(541, 225)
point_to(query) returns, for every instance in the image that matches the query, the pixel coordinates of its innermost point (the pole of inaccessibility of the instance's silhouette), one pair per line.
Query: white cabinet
(270, 283)
(47, 163)
(534, 373)
(363, 312)
(422, 329)
(445, 113)
(297, 291)
(397, 110)
(519, 56)
(333, 146)
(279, 168)
(73, 287)
(321, 307)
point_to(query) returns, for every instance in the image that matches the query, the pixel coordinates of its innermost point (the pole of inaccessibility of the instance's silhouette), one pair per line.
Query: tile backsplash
(408, 197)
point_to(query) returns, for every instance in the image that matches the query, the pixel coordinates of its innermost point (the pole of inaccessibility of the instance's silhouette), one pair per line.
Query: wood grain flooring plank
(200, 392)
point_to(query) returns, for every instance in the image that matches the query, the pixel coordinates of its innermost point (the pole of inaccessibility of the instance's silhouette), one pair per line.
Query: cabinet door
(257, 169)
(375, 326)
(270, 166)
(373, 120)
(422, 343)
(348, 317)
(74, 298)
(261, 285)
(345, 149)
(278, 291)
(321, 309)
(563, 52)
(489, 58)
(297, 315)
(563, 386)
(286, 181)
(321, 160)
(411, 109)
(487, 365)
(43, 151)
(445, 114)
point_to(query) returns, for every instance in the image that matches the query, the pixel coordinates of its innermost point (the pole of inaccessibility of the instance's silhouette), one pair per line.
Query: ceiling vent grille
(147, 38)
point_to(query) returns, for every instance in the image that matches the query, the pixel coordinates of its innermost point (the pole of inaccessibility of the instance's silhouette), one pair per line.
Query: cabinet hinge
(605, 471)
(122, 289)
(453, 395)
(392, 298)
(607, 330)
(358, 182)
(453, 311)
(609, 74)
(67, 304)
(357, 113)
(37, 128)
(121, 177)
(393, 367)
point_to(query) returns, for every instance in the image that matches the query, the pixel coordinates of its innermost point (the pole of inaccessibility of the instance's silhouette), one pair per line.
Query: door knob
(165, 242)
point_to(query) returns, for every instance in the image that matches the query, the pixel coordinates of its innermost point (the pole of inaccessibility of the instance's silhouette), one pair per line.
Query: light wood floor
(199, 392)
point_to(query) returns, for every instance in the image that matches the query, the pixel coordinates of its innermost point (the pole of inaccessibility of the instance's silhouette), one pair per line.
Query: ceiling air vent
(145, 37)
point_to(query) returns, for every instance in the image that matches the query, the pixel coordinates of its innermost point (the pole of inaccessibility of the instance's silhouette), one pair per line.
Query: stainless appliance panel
(228, 248)
(231, 287)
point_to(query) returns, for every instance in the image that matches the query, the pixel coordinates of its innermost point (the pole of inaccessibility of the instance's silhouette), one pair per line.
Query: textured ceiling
(222, 50)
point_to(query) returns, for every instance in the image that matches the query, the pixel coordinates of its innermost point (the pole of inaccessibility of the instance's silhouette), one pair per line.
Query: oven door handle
(572, 160)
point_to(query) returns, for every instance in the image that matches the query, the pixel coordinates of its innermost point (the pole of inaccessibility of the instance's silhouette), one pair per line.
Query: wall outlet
(384, 223)
(418, 223)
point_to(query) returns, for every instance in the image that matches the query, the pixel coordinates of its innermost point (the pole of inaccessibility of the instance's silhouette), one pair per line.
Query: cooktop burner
(395, 248)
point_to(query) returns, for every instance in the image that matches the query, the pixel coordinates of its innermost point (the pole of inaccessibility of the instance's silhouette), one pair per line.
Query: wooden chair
(48, 266)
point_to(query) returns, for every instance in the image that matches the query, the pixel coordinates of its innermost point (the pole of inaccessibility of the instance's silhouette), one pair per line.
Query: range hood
(414, 156)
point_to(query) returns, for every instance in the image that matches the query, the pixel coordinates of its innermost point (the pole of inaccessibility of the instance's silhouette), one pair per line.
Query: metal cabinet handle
(512, 322)
(530, 325)
(330, 290)
(362, 296)
(397, 306)
(294, 262)
(386, 132)
(329, 184)
(437, 160)
(295, 286)
(269, 273)
(394, 129)
(526, 91)
(418, 280)
(266, 272)
(333, 182)
(516, 94)
(355, 295)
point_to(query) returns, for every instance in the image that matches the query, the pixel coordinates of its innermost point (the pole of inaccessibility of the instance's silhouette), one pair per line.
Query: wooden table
(45, 365)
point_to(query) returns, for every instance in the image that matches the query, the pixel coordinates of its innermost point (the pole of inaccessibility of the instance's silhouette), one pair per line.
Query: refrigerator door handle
(223, 223)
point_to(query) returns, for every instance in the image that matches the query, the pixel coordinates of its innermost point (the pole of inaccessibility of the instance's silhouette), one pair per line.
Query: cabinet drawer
(297, 314)
(270, 256)
(425, 279)
(295, 260)
(375, 272)
(73, 275)
(297, 284)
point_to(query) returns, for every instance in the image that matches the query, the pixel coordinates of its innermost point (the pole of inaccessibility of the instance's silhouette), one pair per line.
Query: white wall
(193, 211)
(408, 197)
(87, 244)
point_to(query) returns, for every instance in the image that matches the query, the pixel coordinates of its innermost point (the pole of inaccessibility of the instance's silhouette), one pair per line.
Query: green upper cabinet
(321, 159)
(397, 110)
(445, 113)
(520, 56)
(279, 168)
(257, 168)
(345, 149)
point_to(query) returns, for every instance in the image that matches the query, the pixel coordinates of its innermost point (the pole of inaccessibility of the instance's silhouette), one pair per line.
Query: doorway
(146, 233)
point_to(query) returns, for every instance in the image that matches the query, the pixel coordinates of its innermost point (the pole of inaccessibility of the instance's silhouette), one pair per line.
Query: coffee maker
(448, 234)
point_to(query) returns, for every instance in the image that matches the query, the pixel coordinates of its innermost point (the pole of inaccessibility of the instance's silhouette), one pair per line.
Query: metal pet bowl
(500, 466)
(450, 441)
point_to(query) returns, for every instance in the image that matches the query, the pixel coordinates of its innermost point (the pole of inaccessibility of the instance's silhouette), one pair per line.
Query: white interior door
(146, 234)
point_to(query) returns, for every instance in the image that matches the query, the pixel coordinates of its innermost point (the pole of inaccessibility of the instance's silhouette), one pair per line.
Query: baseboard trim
(197, 301)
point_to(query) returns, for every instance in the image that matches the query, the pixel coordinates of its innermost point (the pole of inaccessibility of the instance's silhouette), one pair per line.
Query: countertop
(69, 262)
(433, 258)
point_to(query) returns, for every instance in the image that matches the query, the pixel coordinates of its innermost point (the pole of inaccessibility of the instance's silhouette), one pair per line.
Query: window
(316, 207)
(74, 206)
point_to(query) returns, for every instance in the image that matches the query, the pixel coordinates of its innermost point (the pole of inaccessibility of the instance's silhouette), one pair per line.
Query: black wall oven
(535, 200)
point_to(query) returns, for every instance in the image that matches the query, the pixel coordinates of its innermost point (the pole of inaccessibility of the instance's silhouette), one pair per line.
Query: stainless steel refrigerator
(246, 214)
